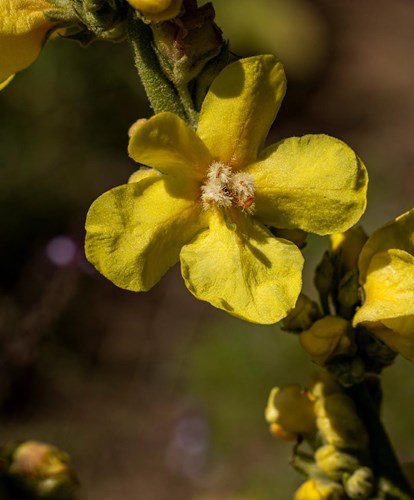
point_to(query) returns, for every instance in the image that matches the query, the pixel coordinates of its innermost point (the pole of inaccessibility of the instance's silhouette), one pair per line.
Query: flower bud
(43, 471)
(184, 48)
(360, 485)
(339, 423)
(305, 312)
(292, 410)
(348, 370)
(326, 338)
(334, 462)
(319, 489)
(157, 10)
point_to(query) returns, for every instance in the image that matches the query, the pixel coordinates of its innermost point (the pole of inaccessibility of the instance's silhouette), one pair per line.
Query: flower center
(224, 188)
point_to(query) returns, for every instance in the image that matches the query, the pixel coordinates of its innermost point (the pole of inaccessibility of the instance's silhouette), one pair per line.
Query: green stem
(188, 104)
(386, 466)
(160, 91)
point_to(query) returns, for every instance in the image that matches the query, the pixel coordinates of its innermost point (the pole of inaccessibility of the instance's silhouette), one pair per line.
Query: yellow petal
(388, 309)
(245, 271)
(167, 143)
(240, 107)
(135, 232)
(23, 29)
(315, 183)
(399, 233)
(389, 287)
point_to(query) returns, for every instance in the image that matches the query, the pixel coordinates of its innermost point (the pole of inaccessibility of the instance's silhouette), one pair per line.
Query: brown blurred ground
(157, 396)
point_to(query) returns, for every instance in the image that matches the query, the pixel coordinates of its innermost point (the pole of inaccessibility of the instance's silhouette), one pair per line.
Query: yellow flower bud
(326, 338)
(334, 462)
(305, 312)
(42, 470)
(318, 489)
(292, 410)
(157, 10)
(339, 423)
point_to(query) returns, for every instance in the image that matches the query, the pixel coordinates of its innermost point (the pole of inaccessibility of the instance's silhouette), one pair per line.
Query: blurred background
(157, 396)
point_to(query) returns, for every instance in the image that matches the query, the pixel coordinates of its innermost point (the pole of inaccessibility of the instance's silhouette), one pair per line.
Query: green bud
(348, 370)
(305, 312)
(361, 484)
(183, 48)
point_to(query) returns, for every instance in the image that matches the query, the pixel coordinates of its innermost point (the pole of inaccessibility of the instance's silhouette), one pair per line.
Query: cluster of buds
(326, 418)
(339, 334)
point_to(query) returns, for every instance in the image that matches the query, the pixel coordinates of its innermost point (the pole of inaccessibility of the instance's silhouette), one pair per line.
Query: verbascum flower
(157, 10)
(23, 31)
(213, 193)
(386, 267)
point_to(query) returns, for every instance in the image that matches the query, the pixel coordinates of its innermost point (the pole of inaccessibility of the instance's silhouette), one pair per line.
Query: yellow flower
(23, 31)
(213, 193)
(386, 267)
(157, 10)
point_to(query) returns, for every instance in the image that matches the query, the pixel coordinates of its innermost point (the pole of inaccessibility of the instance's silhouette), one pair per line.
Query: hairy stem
(160, 91)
